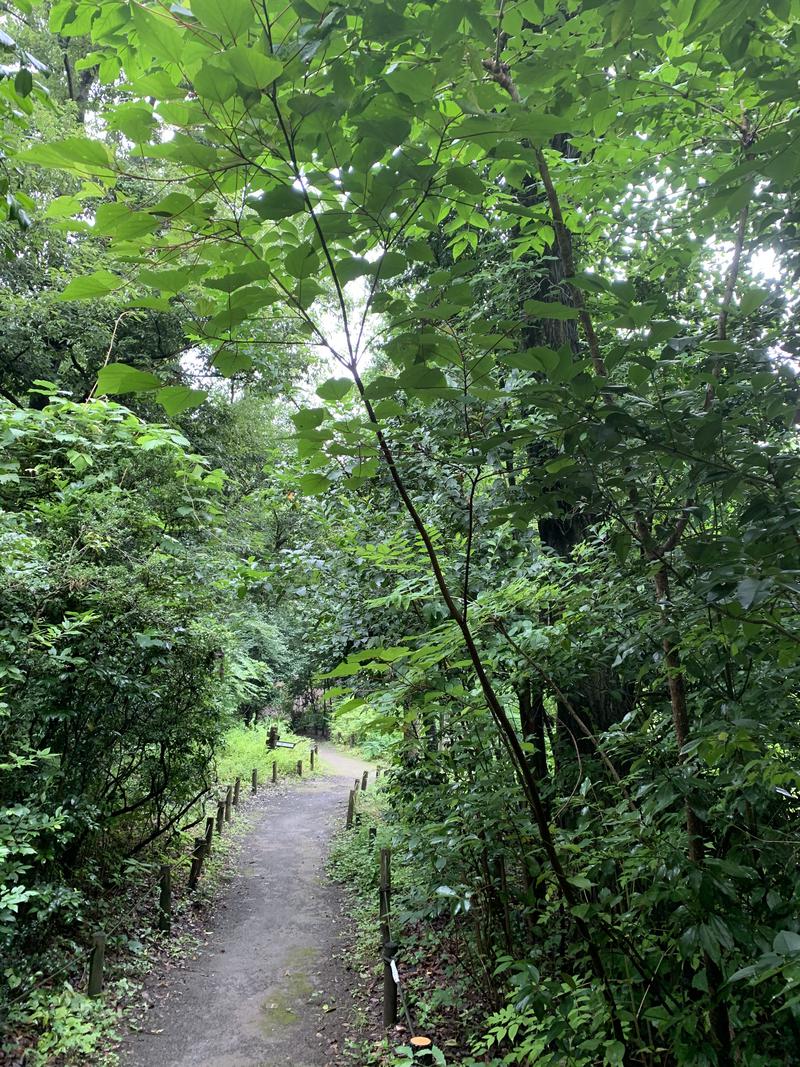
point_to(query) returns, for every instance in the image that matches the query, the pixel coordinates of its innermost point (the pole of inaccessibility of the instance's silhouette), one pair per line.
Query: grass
(245, 748)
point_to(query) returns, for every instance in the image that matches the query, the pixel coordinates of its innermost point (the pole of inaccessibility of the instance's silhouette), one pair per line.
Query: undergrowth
(437, 996)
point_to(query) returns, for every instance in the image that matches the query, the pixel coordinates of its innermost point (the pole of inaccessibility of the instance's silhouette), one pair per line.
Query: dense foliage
(543, 515)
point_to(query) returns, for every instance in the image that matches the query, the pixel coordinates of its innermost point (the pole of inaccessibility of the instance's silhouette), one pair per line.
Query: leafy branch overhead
(487, 312)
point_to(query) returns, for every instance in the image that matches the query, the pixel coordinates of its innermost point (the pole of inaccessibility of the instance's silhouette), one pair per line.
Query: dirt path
(254, 995)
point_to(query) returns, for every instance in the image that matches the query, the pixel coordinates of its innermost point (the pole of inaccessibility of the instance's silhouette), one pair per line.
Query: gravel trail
(267, 990)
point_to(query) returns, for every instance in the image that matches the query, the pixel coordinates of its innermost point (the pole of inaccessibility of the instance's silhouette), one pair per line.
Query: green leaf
(90, 286)
(314, 484)
(391, 264)
(541, 309)
(23, 81)
(752, 299)
(465, 178)
(751, 591)
(580, 882)
(214, 83)
(335, 389)
(532, 359)
(77, 154)
(278, 203)
(229, 363)
(414, 82)
(356, 267)
(302, 262)
(252, 67)
(120, 378)
(615, 1053)
(228, 18)
(176, 399)
(309, 418)
(786, 942)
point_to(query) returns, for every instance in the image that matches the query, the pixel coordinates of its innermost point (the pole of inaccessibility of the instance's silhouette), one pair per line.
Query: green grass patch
(245, 747)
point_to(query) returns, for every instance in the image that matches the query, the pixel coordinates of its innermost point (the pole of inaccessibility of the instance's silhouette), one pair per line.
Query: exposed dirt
(268, 988)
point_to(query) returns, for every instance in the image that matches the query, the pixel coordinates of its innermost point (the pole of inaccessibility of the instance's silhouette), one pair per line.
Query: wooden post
(220, 815)
(274, 770)
(351, 804)
(389, 985)
(209, 833)
(96, 965)
(377, 773)
(300, 768)
(357, 785)
(197, 861)
(316, 750)
(236, 790)
(422, 1049)
(311, 758)
(228, 803)
(254, 781)
(385, 892)
(165, 897)
(364, 781)
(272, 740)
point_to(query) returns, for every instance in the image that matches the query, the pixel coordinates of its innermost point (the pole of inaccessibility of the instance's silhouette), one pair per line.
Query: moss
(285, 1005)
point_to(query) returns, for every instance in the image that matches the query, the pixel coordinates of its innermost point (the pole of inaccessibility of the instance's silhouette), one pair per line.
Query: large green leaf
(278, 203)
(335, 388)
(120, 378)
(80, 155)
(176, 399)
(228, 18)
(90, 286)
(314, 484)
(251, 66)
(542, 309)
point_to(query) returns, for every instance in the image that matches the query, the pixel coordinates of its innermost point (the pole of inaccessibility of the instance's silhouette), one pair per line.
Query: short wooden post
(220, 815)
(311, 758)
(389, 985)
(237, 786)
(228, 803)
(254, 781)
(96, 965)
(272, 740)
(377, 773)
(422, 1047)
(316, 750)
(357, 785)
(209, 833)
(351, 805)
(300, 768)
(364, 781)
(165, 897)
(197, 861)
(385, 892)
(274, 770)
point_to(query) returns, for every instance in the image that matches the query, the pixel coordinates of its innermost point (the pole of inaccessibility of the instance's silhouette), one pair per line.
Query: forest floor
(269, 987)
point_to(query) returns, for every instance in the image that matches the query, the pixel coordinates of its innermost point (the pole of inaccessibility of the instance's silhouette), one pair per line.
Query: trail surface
(267, 989)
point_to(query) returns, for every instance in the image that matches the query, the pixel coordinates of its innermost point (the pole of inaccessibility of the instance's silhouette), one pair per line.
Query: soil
(269, 988)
